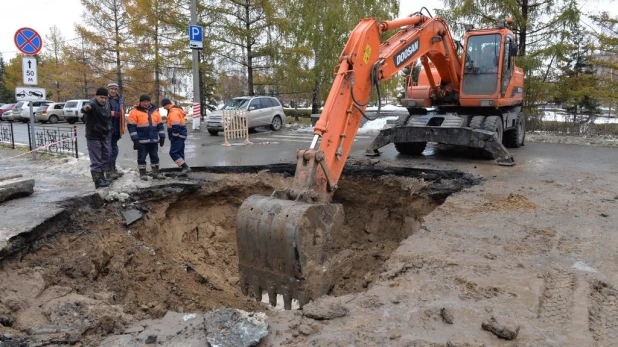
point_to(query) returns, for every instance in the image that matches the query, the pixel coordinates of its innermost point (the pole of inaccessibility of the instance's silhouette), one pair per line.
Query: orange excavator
(283, 239)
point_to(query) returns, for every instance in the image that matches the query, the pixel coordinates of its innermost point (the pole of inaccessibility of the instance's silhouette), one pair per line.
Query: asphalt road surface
(267, 147)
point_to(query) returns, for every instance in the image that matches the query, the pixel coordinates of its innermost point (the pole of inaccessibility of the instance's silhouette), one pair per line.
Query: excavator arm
(364, 63)
(283, 239)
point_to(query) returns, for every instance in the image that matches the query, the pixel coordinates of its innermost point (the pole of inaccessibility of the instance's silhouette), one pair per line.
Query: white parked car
(263, 111)
(73, 110)
(21, 110)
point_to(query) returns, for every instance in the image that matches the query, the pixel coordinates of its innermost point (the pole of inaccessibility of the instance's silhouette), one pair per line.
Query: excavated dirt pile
(87, 275)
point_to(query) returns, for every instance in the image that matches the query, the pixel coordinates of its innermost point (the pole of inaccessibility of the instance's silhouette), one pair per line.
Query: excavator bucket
(283, 246)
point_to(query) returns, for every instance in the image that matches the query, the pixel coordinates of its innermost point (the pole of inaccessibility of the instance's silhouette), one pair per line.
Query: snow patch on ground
(583, 267)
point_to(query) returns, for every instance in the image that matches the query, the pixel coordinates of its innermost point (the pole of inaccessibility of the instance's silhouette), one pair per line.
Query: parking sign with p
(195, 37)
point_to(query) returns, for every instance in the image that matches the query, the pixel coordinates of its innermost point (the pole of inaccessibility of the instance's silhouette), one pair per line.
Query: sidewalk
(57, 179)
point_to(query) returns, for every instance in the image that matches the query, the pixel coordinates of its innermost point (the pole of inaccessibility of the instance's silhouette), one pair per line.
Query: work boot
(99, 180)
(155, 172)
(185, 169)
(115, 170)
(143, 175)
(110, 174)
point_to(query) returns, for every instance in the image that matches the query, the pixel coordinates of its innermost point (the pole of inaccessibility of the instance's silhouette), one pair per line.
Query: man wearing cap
(97, 115)
(146, 129)
(177, 132)
(116, 105)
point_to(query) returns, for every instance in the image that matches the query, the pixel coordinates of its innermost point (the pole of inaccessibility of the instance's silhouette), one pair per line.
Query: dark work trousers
(114, 150)
(144, 150)
(177, 150)
(98, 151)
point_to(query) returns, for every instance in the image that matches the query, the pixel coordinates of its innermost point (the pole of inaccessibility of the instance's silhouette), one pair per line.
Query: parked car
(51, 113)
(4, 109)
(21, 110)
(73, 110)
(7, 115)
(263, 111)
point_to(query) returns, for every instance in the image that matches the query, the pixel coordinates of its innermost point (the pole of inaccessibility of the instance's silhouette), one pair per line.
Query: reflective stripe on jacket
(145, 125)
(176, 123)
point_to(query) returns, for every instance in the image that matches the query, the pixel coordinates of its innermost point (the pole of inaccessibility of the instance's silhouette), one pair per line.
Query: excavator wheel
(494, 124)
(515, 138)
(489, 123)
(477, 122)
(283, 247)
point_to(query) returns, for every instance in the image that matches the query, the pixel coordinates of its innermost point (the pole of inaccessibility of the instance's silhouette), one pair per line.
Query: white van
(73, 110)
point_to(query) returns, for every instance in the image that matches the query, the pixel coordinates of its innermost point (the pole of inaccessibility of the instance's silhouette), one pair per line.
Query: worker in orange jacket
(146, 129)
(177, 132)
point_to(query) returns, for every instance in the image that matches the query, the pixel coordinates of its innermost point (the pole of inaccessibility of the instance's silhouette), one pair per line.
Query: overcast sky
(40, 15)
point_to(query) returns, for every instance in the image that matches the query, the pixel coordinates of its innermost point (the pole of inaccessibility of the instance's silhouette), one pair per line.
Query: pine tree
(6, 95)
(606, 60)
(578, 84)
(107, 30)
(244, 34)
(318, 32)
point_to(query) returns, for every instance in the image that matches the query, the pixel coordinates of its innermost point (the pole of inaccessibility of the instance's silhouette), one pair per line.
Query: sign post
(29, 42)
(195, 43)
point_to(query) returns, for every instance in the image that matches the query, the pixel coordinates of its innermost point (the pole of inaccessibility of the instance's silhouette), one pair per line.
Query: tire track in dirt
(603, 314)
(556, 301)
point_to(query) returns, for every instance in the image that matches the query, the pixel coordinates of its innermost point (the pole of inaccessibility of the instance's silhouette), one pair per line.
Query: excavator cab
(488, 66)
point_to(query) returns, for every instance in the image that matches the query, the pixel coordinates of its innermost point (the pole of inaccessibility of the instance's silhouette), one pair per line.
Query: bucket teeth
(257, 290)
(287, 299)
(302, 299)
(272, 296)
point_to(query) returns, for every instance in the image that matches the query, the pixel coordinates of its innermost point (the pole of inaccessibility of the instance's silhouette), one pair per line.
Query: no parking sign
(28, 41)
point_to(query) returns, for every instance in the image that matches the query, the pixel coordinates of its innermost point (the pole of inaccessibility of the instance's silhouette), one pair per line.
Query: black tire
(515, 138)
(53, 119)
(494, 124)
(71, 121)
(276, 123)
(213, 132)
(477, 122)
(410, 148)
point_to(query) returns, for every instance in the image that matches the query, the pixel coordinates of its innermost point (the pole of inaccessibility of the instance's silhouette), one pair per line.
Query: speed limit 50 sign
(28, 66)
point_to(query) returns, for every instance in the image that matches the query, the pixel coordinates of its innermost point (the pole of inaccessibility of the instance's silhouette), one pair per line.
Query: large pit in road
(86, 269)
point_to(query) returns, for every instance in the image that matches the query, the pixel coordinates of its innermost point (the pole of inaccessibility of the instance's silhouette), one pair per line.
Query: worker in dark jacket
(97, 116)
(116, 105)
(146, 129)
(177, 132)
